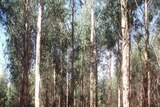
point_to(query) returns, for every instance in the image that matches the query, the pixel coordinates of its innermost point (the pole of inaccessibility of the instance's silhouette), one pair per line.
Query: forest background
(80, 53)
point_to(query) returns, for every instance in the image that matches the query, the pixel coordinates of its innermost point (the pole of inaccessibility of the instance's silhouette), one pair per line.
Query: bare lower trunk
(96, 75)
(46, 92)
(119, 97)
(91, 76)
(62, 81)
(141, 93)
(67, 89)
(24, 100)
(84, 80)
(54, 86)
(147, 75)
(119, 77)
(72, 80)
(96, 105)
(25, 91)
(54, 79)
(110, 77)
(92, 57)
(38, 43)
(125, 54)
(82, 96)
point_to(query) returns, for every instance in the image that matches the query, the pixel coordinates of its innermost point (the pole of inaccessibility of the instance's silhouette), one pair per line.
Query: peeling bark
(125, 54)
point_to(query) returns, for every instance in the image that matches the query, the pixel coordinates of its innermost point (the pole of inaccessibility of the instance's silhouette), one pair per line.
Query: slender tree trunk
(46, 90)
(82, 96)
(119, 77)
(96, 96)
(96, 105)
(54, 85)
(61, 74)
(125, 54)
(25, 91)
(72, 80)
(82, 80)
(83, 60)
(140, 99)
(54, 78)
(110, 78)
(67, 88)
(38, 43)
(141, 93)
(130, 73)
(147, 75)
(92, 57)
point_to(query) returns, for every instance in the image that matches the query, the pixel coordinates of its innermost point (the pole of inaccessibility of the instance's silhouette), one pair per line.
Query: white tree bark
(92, 57)
(38, 43)
(147, 75)
(125, 54)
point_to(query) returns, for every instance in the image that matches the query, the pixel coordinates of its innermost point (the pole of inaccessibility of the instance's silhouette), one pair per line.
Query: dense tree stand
(79, 53)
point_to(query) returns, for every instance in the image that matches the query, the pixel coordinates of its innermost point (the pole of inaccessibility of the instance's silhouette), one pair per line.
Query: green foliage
(3, 90)
(108, 29)
(12, 97)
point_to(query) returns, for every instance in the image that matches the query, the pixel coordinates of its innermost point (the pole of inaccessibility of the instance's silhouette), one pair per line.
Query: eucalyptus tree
(26, 55)
(125, 53)
(18, 26)
(82, 30)
(53, 47)
(73, 55)
(92, 56)
(155, 64)
(149, 9)
(147, 71)
(38, 45)
(67, 52)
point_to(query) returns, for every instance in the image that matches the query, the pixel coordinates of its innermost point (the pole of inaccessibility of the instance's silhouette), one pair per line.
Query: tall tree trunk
(82, 90)
(110, 78)
(119, 77)
(62, 81)
(96, 105)
(25, 91)
(67, 87)
(46, 90)
(38, 43)
(125, 54)
(83, 60)
(72, 80)
(92, 57)
(96, 75)
(83, 79)
(54, 78)
(141, 92)
(147, 75)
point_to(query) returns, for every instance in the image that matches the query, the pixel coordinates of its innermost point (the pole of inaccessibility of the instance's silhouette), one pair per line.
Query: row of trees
(56, 47)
